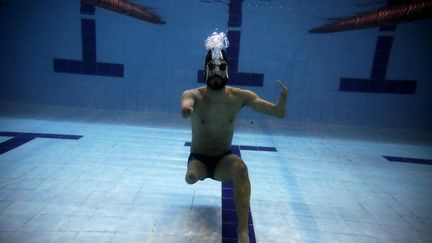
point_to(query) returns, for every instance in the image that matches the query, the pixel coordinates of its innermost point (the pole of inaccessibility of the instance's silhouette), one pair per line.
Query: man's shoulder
(193, 91)
(238, 91)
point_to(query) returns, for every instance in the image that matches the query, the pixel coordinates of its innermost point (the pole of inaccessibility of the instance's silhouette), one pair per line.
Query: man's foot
(243, 236)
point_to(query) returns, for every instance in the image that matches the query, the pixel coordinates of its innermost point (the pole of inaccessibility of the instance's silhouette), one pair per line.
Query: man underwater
(213, 110)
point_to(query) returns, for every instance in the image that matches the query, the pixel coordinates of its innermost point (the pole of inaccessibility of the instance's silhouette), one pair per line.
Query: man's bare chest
(222, 113)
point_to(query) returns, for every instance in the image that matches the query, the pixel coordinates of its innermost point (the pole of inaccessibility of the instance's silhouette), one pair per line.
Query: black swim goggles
(222, 66)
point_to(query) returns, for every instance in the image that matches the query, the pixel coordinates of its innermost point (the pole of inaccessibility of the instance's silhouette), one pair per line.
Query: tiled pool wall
(72, 54)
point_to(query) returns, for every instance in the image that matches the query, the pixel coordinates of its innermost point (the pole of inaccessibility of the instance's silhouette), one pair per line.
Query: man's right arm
(187, 103)
(255, 102)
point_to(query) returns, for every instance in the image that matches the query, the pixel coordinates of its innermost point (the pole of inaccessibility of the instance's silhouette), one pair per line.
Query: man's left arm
(255, 102)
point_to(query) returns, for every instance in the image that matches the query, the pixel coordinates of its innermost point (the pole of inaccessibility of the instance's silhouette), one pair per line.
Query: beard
(216, 82)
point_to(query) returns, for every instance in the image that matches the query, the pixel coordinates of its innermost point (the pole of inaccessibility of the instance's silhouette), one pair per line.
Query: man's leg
(196, 171)
(232, 169)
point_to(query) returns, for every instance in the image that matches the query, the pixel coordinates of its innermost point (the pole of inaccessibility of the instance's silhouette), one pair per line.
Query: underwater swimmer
(213, 110)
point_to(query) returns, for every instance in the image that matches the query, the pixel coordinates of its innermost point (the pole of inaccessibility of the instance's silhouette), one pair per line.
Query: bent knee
(241, 170)
(191, 179)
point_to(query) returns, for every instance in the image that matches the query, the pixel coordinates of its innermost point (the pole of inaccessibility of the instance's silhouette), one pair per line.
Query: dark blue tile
(378, 72)
(234, 38)
(409, 160)
(42, 135)
(239, 79)
(60, 65)
(256, 79)
(236, 150)
(235, 4)
(268, 149)
(89, 54)
(388, 28)
(420, 161)
(228, 204)
(14, 143)
(346, 84)
(229, 230)
(232, 67)
(381, 58)
(407, 87)
(233, 53)
(252, 148)
(235, 21)
(229, 216)
(88, 26)
(229, 240)
(89, 68)
(376, 86)
(247, 79)
(72, 137)
(226, 185)
(103, 69)
(235, 8)
(29, 135)
(227, 193)
(117, 70)
(235, 13)
(10, 134)
(391, 158)
(200, 76)
(22, 138)
(88, 40)
(361, 85)
(391, 87)
(87, 8)
(75, 66)
(252, 238)
(384, 43)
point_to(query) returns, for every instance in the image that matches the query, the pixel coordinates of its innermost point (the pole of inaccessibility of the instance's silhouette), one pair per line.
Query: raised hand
(284, 88)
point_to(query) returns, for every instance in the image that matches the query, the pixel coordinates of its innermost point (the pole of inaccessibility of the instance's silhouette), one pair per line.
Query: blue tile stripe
(235, 13)
(233, 52)
(20, 138)
(377, 82)
(13, 143)
(409, 160)
(87, 8)
(388, 28)
(88, 39)
(381, 58)
(89, 64)
(89, 68)
(378, 86)
(229, 217)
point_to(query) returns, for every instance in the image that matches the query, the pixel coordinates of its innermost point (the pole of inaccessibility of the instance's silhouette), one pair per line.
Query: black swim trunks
(209, 161)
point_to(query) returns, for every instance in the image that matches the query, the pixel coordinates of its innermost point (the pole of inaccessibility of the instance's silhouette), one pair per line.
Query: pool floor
(63, 181)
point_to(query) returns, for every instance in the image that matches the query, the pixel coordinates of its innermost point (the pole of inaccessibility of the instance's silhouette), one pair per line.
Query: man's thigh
(197, 168)
(226, 167)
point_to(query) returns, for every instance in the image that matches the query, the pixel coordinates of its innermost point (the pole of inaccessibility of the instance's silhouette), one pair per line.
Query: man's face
(217, 74)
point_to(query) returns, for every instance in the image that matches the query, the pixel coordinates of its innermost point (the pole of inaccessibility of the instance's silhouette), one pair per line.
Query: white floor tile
(125, 183)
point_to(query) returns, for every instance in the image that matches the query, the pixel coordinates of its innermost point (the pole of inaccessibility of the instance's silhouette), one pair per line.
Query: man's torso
(213, 121)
